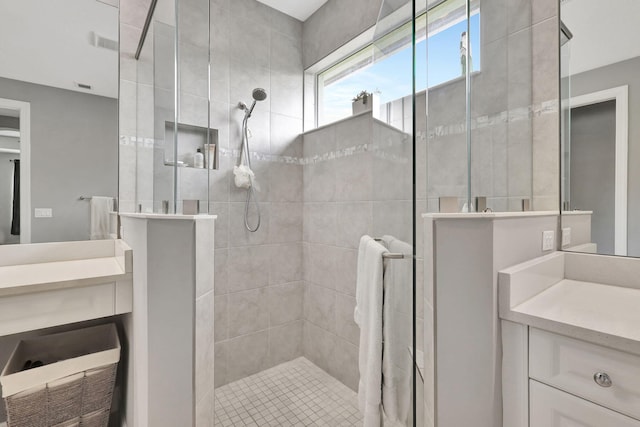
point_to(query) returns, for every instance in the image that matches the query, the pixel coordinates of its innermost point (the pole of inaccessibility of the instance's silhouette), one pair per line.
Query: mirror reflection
(58, 120)
(600, 86)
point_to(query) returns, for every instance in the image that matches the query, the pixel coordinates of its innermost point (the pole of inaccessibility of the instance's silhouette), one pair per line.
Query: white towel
(396, 332)
(368, 316)
(100, 220)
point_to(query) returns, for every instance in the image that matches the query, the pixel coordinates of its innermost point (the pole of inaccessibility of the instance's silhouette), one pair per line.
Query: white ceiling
(49, 43)
(299, 9)
(604, 32)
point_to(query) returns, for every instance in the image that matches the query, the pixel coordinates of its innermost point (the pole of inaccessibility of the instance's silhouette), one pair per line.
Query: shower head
(259, 94)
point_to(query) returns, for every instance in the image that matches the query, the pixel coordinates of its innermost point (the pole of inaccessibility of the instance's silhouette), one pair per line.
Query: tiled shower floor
(296, 393)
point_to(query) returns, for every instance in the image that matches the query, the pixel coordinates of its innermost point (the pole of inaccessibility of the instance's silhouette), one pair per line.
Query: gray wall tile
(354, 220)
(221, 322)
(285, 342)
(286, 182)
(285, 222)
(238, 233)
(248, 312)
(345, 325)
(320, 307)
(248, 267)
(247, 355)
(285, 303)
(320, 223)
(319, 345)
(320, 264)
(286, 263)
(204, 344)
(345, 364)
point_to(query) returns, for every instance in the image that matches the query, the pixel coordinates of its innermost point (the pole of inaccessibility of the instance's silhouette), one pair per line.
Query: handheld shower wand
(243, 173)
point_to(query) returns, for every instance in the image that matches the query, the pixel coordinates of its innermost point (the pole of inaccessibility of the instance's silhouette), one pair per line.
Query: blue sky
(392, 76)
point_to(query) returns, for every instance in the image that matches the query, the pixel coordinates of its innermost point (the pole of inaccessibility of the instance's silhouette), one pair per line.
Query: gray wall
(357, 180)
(74, 152)
(593, 162)
(514, 119)
(258, 276)
(334, 24)
(514, 104)
(339, 21)
(621, 73)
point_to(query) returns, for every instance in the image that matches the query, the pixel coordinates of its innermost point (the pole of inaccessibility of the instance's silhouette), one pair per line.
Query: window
(385, 66)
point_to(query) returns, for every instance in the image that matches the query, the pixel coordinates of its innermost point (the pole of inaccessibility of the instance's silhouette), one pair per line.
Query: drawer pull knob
(602, 379)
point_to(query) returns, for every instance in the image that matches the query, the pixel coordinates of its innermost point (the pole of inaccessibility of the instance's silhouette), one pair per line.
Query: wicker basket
(73, 388)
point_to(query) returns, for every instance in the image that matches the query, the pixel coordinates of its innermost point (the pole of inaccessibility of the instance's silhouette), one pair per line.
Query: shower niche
(182, 141)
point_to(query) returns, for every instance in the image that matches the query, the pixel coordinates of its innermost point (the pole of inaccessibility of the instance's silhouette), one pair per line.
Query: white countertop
(485, 215)
(166, 216)
(592, 298)
(21, 279)
(605, 309)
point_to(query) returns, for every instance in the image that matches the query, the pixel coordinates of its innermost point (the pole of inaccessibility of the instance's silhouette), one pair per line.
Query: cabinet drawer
(554, 408)
(570, 365)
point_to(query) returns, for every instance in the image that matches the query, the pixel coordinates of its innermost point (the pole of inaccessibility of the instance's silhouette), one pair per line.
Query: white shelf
(52, 284)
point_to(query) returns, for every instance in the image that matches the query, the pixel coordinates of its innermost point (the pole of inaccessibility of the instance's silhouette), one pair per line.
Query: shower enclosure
(285, 291)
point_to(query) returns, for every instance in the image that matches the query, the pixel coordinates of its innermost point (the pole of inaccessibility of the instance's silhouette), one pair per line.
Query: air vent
(104, 43)
(83, 86)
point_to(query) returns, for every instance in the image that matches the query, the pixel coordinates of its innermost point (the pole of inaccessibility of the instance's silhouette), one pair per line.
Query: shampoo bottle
(198, 159)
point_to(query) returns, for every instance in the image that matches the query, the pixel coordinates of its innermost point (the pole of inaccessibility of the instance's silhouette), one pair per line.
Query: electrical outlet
(548, 239)
(43, 212)
(566, 236)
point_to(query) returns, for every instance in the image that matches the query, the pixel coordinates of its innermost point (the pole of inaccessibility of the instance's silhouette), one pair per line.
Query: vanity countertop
(539, 294)
(26, 278)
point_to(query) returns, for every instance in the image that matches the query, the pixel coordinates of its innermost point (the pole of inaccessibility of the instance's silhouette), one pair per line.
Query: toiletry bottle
(211, 160)
(198, 159)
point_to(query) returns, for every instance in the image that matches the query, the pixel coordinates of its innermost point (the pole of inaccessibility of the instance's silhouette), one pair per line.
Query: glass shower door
(393, 206)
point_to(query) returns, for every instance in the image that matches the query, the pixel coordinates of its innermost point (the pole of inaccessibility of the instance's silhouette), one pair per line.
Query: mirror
(600, 88)
(58, 120)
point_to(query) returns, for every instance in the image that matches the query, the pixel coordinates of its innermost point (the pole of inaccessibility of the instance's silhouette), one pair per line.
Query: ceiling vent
(83, 86)
(102, 42)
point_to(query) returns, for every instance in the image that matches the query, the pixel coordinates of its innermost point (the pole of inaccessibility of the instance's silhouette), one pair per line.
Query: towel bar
(391, 255)
(89, 198)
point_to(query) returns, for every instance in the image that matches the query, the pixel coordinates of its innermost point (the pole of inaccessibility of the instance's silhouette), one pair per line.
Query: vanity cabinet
(569, 382)
(550, 407)
(599, 374)
(570, 341)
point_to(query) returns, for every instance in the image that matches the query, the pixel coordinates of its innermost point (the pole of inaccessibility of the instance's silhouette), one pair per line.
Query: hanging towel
(396, 332)
(100, 220)
(368, 316)
(15, 212)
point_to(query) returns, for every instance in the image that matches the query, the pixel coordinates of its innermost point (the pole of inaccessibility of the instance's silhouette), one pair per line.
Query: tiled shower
(287, 291)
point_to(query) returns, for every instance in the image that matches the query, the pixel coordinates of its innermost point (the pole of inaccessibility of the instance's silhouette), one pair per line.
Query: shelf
(52, 284)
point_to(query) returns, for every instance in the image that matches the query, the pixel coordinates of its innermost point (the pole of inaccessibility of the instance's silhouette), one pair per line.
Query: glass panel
(392, 201)
(176, 148)
(446, 157)
(165, 161)
(194, 132)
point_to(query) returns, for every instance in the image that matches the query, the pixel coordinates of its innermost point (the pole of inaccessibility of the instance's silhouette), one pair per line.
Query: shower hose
(251, 193)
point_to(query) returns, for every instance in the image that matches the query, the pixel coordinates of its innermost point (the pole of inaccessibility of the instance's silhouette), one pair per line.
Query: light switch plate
(43, 212)
(548, 240)
(566, 236)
